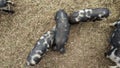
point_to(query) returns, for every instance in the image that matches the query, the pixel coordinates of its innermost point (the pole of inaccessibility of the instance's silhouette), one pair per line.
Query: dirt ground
(86, 45)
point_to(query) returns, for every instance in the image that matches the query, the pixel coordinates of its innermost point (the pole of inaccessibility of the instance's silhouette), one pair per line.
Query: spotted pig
(89, 15)
(5, 5)
(114, 51)
(40, 48)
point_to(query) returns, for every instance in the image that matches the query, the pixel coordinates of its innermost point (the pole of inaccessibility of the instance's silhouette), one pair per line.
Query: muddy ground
(86, 45)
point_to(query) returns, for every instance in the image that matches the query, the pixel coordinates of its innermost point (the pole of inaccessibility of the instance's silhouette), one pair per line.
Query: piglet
(114, 52)
(40, 48)
(89, 15)
(61, 31)
(5, 5)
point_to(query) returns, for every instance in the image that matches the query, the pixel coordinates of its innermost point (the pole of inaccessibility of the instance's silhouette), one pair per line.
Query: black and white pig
(5, 5)
(62, 30)
(89, 15)
(114, 52)
(40, 48)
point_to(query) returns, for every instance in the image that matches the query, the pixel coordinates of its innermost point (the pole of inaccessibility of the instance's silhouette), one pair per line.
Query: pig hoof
(54, 48)
(62, 50)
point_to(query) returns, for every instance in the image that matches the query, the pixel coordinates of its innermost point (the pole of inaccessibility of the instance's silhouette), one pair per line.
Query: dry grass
(86, 45)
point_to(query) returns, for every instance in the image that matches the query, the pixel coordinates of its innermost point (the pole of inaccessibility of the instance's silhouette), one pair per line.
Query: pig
(41, 47)
(114, 52)
(62, 31)
(5, 5)
(89, 14)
